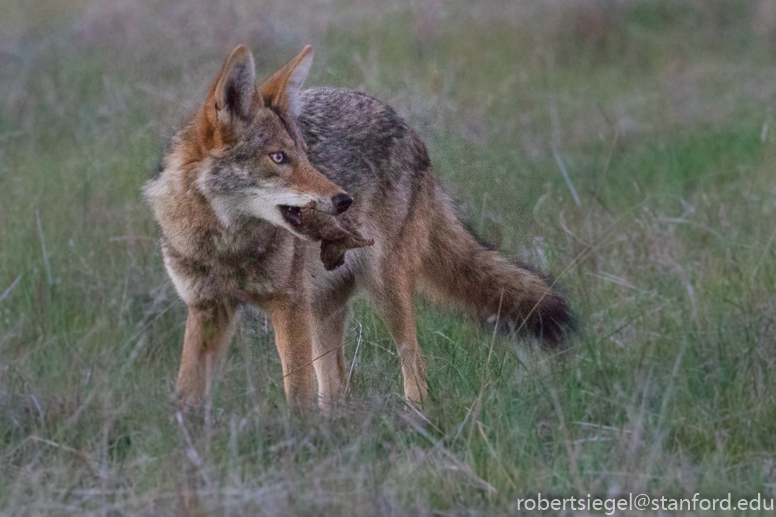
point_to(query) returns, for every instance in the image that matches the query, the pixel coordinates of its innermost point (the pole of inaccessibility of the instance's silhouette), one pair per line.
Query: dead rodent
(337, 235)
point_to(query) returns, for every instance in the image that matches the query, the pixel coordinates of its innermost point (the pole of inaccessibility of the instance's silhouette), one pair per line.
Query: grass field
(661, 231)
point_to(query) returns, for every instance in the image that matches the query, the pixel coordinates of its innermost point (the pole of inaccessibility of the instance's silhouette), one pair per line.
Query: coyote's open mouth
(291, 214)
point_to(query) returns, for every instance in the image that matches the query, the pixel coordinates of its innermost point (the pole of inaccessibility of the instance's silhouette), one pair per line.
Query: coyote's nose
(341, 202)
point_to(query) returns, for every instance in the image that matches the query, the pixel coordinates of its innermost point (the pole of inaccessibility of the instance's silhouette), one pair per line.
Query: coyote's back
(362, 145)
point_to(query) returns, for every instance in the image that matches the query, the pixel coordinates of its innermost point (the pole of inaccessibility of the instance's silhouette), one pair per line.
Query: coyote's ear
(281, 91)
(234, 88)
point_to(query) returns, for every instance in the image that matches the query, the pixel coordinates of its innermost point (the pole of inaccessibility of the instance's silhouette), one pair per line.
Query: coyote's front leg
(209, 331)
(292, 320)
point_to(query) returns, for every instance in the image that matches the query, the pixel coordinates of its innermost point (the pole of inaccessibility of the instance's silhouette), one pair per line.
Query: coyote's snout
(292, 214)
(269, 187)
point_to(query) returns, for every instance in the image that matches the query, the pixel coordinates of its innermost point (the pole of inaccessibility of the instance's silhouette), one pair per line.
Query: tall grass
(660, 112)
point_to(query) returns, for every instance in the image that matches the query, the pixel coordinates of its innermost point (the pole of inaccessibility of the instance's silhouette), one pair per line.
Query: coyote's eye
(279, 157)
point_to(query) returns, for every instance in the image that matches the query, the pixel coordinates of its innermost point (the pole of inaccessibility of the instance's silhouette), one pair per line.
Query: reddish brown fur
(220, 203)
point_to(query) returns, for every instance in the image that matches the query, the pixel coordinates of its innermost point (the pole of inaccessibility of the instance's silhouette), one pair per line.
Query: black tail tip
(553, 322)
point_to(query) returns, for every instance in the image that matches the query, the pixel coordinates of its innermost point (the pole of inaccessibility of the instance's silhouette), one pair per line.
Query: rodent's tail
(480, 280)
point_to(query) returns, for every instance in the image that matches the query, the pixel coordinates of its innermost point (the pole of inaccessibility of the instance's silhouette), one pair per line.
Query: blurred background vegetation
(623, 145)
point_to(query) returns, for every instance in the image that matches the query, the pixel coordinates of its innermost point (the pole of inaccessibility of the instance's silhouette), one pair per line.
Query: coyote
(230, 201)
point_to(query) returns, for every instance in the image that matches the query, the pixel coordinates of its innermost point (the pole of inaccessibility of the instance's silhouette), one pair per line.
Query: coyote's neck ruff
(233, 201)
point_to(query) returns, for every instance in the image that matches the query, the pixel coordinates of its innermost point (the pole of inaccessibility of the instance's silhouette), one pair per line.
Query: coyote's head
(254, 155)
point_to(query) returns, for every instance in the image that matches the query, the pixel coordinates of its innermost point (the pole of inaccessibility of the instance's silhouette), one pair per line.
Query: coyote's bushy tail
(480, 280)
